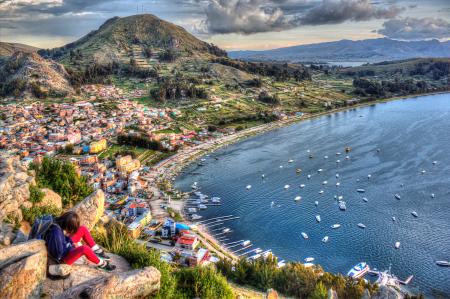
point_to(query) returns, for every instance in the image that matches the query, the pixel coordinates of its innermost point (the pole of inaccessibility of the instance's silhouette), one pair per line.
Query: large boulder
(14, 187)
(132, 284)
(91, 209)
(7, 234)
(23, 270)
(79, 273)
(50, 198)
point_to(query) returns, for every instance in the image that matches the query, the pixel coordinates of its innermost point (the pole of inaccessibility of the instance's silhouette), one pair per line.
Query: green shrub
(61, 177)
(36, 195)
(34, 212)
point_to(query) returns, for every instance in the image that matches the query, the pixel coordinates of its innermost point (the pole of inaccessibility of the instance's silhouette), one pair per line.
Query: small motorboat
(319, 170)
(338, 184)
(299, 170)
(245, 243)
(365, 199)
(325, 157)
(304, 235)
(337, 175)
(347, 157)
(309, 259)
(340, 197)
(338, 154)
(297, 198)
(309, 176)
(359, 270)
(291, 161)
(443, 263)
(272, 204)
(325, 239)
(414, 213)
(226, 230)
(321, 192)
(249, 187)
(196, 217)
(435, 162)
(308, 151)
(397, 245)
(432, 195)
(318, 218)
(338, 161)
(369, 176)
(215, 199)
(360, 225)
(311, 156)
(286, 186)
(316, 203)
(423, 171)
(302, 185)
(342, 206)
(202, 207)
(263, 175)
(360, 190)
(335, 226)
(348, 149)
(324, 182)
(397, 196)
(281, 166)
(393, 219)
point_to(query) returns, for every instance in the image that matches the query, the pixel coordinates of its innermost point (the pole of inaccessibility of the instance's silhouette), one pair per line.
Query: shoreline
(172, 166)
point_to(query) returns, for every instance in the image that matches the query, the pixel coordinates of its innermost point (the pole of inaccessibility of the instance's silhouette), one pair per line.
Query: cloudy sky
(233, 24)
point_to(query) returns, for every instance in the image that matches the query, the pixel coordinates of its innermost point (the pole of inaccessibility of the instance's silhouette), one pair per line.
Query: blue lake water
(410, 134)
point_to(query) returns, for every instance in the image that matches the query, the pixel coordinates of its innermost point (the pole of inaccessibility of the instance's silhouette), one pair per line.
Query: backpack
(40, 227)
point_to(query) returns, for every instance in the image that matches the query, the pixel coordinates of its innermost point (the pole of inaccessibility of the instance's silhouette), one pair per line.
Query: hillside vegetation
(8, 49)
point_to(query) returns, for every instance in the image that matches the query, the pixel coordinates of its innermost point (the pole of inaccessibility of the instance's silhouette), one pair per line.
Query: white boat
(325, 239)
(316, 203)
(309, 176)
(196, 217)
(435, 162)
(319, 170)
(359, 270)
(304, 235)
(335, 226)
(202, 207)
(263, 175)
(338, 154)
(309, 259)
(338, 184)
(337, 175)
(397, 245)
(325, 157)
(308, 151)
(297, 198)
(318, 218)
(443, 263)
(365, 199)
(194, 186)
(286, 186)
(324, 182)
(281, 166)
(340, 197)
(245, 243)
(338, 161)
(397, 196)
(361, 225)
(226, 230)
(302, 185)
(393, 218)
(342, 206)
(248, 187)
(291, 161)
(432, 195)
(369, 176)
(414, 213)
(360, 190)
(272, 203)
(347, 157)
(215, 199)
(423, 171)
(321, 192)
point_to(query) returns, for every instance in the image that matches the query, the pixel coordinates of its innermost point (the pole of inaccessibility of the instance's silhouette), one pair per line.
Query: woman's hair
(69, 221)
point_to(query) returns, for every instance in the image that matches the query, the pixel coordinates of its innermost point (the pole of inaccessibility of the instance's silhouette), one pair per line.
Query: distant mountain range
(369, 50)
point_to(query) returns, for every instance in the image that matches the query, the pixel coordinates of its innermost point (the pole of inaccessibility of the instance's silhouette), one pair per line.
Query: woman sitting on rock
(63, 241)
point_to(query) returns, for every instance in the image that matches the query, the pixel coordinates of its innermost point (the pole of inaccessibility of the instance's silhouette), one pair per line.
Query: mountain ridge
(369, 50)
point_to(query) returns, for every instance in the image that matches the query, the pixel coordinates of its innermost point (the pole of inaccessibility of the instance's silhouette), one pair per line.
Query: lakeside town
(138, 189)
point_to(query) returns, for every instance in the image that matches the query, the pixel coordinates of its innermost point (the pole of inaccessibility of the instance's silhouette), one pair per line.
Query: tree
(320, 292)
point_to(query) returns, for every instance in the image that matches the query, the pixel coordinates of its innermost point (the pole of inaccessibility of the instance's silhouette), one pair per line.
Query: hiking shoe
(106, 266)
(102, 254)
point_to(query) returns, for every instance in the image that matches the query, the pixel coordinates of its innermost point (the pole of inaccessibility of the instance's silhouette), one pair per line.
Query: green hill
(140, 39)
